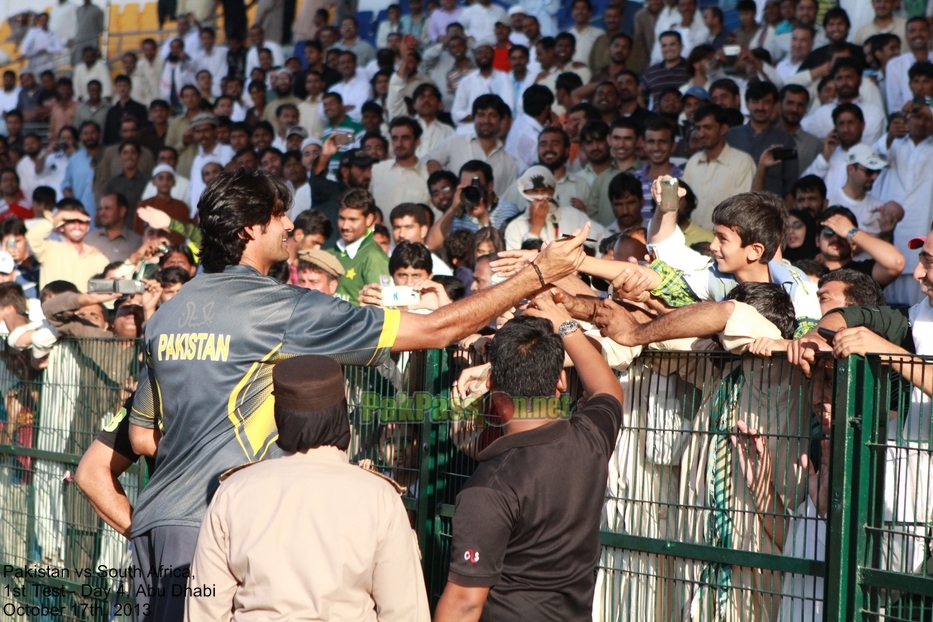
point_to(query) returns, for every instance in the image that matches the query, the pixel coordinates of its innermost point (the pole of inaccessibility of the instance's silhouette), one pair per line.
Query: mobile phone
(828, 335)
(399, 296)
(919, 101)
(114, 286)
(731, 50)
(669, 199)
(784, 153)
(342, 139)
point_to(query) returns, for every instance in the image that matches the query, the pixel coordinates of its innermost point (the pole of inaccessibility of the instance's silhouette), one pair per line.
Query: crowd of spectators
(441, 160)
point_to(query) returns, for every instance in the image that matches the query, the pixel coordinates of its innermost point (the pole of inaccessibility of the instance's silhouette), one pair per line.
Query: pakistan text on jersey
(193, 347)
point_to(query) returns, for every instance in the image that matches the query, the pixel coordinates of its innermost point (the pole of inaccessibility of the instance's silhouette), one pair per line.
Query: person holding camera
(72, 259)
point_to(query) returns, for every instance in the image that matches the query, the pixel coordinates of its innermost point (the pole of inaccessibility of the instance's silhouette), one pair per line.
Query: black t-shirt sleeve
(605, 412)
(892, 324)
(482, 526)
(116, 433)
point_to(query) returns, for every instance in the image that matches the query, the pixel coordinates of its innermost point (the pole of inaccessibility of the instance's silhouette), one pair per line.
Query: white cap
(536, 178)
(517, 9)
(163, 168)
(211, 160)
(311, 140)
(7, 265)
(864, 155)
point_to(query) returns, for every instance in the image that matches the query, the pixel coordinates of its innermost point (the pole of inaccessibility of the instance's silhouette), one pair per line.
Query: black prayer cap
(310, 403)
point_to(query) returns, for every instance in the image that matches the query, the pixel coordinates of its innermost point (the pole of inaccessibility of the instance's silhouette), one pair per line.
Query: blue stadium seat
(367, 31)
(731, 20)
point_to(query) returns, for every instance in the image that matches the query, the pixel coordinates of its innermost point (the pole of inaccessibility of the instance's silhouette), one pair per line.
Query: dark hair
(625, 183)
(478, 166)
(794, 89)
(846, 62)
(536, 99)
(408, 122)
(439, 176)
(546, 42)
(660, 125)
(725, 84)
(556, 129)
(13, 226)
(527, 357)
(292, 154)
(56, 288)
(877, 42)
(485, 102)
(263, 125)
(760, 89)
(809, 249)
(416, 210)
(425, 87)
(861, 290)
(520, 48)
(371, 106)
(460, 245)
(566, 36)
(811, 267)
(923, 68)
(377, 136)
(568, 81)
(699, 53)
(746, 6)
(594, 130)
(837, 12)
(172, 275)
(231, 203)
(719, 114)
(183, 249)
(43, 195)
(491, 235)
(590, 112)
(282, 107)
(280, 271)
(810, 183)
(313, 221)
(918, 19)
(671, 33)
(411, 255)
(851, 109)
(626, 123)
(771, 301)
(837, 210)
(532, 244)
(452, 285)
(12, 295)
(357, 198)
(757, 217)
(130, 143)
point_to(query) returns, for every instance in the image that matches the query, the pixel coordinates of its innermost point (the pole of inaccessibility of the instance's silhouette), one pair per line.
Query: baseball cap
(864, 155)
(297, 129)
(162, 168)
(7, 265)
(536, 178)
(696, 91)
(323, 260)
(915, 243)
(357, 157)
(203, 118)
(311, 140)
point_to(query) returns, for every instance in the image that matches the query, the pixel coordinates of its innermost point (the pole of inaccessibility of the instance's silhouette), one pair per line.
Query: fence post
(850, 487)
(432, 457)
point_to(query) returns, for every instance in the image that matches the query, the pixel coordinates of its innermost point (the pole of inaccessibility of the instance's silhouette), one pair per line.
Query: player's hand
(544, 306)
(563, 257)
(633, 282)
(472, 382)
(616, 323)
(510, 262)
(433, 295)
(155, 218)
(370, 295)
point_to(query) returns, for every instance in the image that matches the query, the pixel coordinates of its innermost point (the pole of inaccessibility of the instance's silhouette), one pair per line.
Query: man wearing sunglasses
(840, 239)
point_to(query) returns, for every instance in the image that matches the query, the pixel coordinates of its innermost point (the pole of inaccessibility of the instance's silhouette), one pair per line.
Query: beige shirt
(713, 181)
(59, 260)
(307, 537)
(434, 134)
(393, 184)
(309, 116)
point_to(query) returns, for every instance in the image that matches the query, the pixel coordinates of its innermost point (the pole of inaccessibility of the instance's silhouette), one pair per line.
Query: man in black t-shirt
(534, 503)
(838, 233)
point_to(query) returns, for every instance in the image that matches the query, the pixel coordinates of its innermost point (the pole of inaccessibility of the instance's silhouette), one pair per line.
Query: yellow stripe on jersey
(389, 334)
(259, 427)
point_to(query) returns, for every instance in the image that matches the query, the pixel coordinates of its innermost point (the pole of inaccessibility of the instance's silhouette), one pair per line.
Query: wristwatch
(851, 234)
(568, 327)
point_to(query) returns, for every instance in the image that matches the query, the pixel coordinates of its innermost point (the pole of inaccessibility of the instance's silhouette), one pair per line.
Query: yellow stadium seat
(149, 17)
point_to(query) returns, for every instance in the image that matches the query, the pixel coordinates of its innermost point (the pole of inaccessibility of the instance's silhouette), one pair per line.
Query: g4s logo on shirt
(471, 556)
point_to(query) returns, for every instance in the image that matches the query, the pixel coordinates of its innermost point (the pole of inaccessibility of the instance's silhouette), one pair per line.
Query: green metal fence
(700, 523)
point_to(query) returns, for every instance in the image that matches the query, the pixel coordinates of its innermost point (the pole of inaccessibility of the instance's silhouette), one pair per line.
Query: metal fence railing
(700, 522)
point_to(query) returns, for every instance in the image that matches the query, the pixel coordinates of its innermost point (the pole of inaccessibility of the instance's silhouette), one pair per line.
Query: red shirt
(500, 59)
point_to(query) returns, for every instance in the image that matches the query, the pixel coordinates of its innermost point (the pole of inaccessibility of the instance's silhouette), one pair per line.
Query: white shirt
(585, 40)
(216, 63)
(222, 152)
(252, 56)
(833, 173)
(63, 21)
(570, 186)
(479, 22)
(820, 122)
(522, 142)
(28, 178)
(867, 222)
(909, 181)
(560, 220)
(434, 134)
(692, 35)
(9, 99)
(897, 83)
(476, 84)
(355, 93)
(458, 150)
(37, 39)
(302, 200)
(84, 74)
(183, 76)
(518, 90)
(393, 184)
(786, 68)
(191, 41)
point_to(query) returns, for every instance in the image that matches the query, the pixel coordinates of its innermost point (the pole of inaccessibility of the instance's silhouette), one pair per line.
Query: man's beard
(172, 58)
(556, 164)
(283, 92)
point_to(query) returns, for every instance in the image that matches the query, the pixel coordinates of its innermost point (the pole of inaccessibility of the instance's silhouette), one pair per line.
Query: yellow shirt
(60, 261)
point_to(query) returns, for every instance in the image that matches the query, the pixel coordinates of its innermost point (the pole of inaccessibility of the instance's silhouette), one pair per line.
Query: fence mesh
(709, 513)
